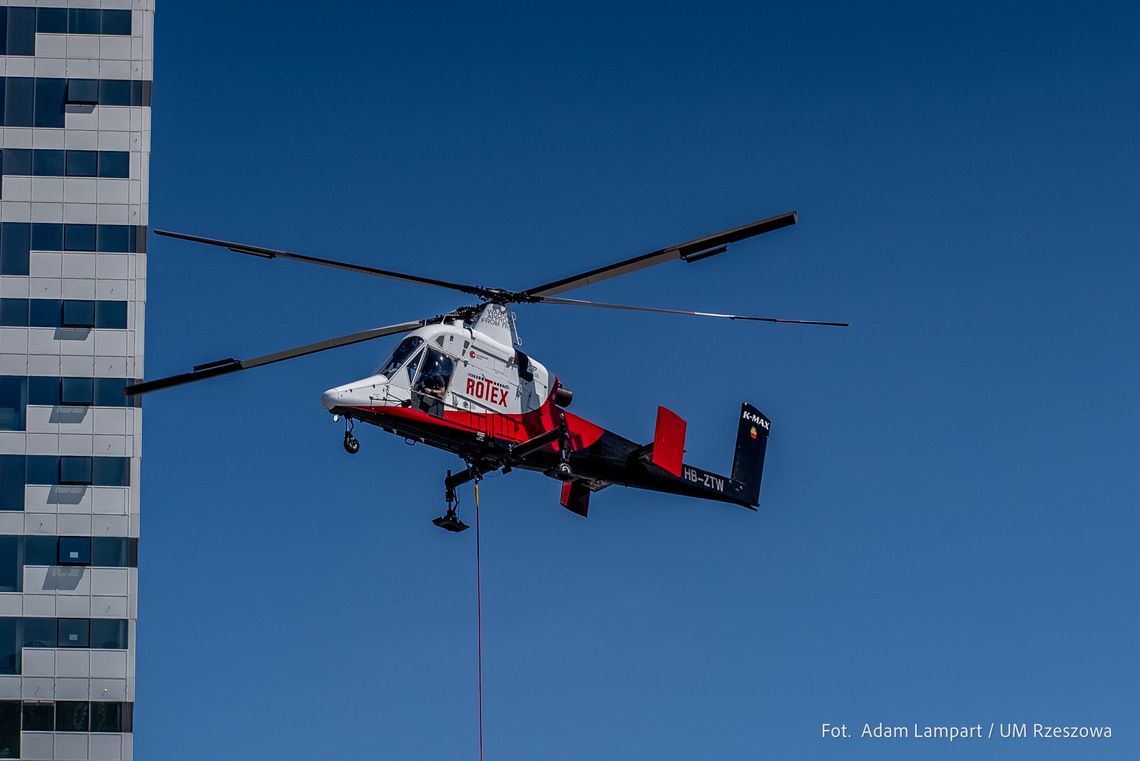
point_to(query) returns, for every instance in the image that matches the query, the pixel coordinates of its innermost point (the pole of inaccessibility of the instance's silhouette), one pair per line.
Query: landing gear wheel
(563, 472)
(351, 443)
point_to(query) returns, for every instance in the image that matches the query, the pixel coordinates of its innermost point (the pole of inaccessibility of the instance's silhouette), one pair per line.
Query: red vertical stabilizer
(576, 497)
(669, 441)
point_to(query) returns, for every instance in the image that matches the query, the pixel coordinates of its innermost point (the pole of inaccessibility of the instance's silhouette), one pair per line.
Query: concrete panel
(13, 442)
(110, 343)
(12, 603)
(82, 213)
(72, 689)
(78, 265)
(107, 445)
(44, 211)
(50, 67)
(38, 662)
(74, 525)
(109, 500)
(42, 443)
(75, 444)
(17, 188)
(77, 366)
(39, 523)
(71, 663)
(11, 522)
(109, 581)
(37, 688)
(10, 686)
(111, 420)
(82, 45)
(109, 664)
(110, 607)
(75, 190)
(71, 746)
(37, 746)
(106, 747)
(109, 525)
(15, 286)
(76, 287)
(43, 364)
(108, 689)
(85, 140)
(47, 189)
(47, 287)
(116, 266)
(73, 606)
(14, 340)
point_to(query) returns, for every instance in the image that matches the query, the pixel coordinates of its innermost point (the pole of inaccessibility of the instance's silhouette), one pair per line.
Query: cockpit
(406, 349)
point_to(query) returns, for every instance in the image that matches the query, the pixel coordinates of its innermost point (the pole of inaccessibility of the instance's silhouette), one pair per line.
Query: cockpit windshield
(406, 349)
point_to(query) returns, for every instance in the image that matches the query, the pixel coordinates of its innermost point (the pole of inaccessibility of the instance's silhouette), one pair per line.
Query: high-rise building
(75, 92)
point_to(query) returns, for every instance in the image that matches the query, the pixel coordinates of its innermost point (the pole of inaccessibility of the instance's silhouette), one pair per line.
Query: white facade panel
(76, 593)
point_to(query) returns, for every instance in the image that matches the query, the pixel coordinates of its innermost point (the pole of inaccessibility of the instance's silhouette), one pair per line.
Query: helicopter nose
(333, 398)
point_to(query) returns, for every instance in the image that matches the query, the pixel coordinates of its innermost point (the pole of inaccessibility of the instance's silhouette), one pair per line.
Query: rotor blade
(230, 365)
(693, 251)
(658, 310)
(270, 253)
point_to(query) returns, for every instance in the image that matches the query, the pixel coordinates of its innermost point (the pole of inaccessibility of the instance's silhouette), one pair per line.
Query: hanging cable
(479, 620)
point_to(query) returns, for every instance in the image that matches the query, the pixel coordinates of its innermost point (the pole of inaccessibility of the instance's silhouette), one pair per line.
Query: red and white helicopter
(460, 383)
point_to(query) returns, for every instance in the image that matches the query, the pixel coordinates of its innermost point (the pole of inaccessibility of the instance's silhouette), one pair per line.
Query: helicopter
(459, 382)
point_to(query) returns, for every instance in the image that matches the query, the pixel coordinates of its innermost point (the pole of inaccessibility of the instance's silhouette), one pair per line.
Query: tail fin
(751, 441)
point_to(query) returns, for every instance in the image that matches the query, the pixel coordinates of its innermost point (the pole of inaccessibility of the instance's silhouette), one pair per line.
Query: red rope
(479, 619)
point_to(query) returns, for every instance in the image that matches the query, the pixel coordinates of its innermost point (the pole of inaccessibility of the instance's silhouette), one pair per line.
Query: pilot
(433, 385)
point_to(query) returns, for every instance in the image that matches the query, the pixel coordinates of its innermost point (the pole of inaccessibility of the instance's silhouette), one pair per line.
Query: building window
(9, 646)
(111, 471)
(12, 481)
(47, 163)
(106, 717)
(74, 632)
(38, 632)
(109, 633)
(83, 92)
(46, 236)
(10, 720)
(72, 717)
(19, 101)
(75, 471)
(14, 313)
(77, 392)
(13, 403)
(74, 550)
(52, 21)
(11, 569)
(40, 550)
(111, 314)
(20, 37)
(79, 237)
(44, 313)
(78, 314)
(14, 247)
(50, 97)
(115, 164)
(39, 717)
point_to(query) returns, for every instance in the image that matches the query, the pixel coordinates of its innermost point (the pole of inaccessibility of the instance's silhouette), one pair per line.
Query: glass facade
(74, 159)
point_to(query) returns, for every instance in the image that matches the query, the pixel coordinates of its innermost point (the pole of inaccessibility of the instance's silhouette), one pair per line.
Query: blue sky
(948, 516)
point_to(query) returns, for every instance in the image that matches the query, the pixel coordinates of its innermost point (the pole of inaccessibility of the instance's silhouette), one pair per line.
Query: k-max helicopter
(459, 382)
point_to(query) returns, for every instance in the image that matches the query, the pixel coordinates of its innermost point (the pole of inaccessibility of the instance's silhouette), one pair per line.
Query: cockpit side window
(406, 348)
(435, 375)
